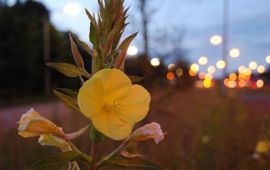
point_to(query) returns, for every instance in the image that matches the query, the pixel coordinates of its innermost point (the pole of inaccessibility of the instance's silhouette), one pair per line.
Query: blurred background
(205, 62)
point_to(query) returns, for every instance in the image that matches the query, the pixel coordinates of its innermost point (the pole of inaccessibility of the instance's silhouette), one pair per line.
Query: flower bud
(148, 131)
(33, 124)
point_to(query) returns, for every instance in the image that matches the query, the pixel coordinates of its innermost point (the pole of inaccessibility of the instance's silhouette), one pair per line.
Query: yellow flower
(112, 103)
(33, 124)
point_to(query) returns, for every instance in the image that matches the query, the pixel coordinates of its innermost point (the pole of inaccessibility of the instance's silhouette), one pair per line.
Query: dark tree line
(22, 50)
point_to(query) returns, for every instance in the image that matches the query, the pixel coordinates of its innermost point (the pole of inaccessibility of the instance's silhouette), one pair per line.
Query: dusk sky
(249, 25)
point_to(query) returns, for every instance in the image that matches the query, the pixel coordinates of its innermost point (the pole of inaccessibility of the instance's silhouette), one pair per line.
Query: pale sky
(200, 19)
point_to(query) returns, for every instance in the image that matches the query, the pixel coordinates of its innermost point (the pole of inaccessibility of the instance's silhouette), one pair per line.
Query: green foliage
(132, 163)
(69, 101)
(105, 33)
(59, 161)
(69, 70)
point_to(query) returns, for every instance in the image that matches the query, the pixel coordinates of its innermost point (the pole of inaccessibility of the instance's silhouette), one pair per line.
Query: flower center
(111, 107)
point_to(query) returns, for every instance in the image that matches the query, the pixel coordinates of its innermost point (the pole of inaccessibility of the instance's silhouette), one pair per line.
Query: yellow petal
(113, 79)
(33, 124)
(90, 97)
(136, 105)
(111, 126)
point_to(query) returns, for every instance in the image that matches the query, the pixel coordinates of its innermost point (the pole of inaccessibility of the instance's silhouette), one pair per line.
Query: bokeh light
(203, 60)
(179, 72)
(242, 83)
(221, 64)
(132, 50)
(192, 73)
(253, 65)
(170, 76)
(72, 9)
(241, 69)
(207, 83)
(211, 69)
(194, 67)
(233, 76)
(234, 52)
(267, 59)
(232, 84)
(208, 76)
(202, 75)
(260, 83)
(171, 67)
(216, 40)
(155, 62)
(261, 69)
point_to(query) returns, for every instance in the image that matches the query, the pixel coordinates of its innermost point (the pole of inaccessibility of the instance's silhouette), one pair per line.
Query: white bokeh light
(155, 62)
(132, 50)
(216, 40)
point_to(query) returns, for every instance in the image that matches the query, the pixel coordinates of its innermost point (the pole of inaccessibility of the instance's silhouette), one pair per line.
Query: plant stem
(121, 147)
(94, 155)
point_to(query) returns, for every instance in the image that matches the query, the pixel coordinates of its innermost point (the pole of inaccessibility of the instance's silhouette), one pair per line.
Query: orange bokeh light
(170, 76)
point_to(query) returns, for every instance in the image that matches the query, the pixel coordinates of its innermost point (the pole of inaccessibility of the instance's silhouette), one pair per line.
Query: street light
(216, 40)
(267, 59)
(155, 62)
(234, 52)
(203, 60)
(253, 65)
(221, 64)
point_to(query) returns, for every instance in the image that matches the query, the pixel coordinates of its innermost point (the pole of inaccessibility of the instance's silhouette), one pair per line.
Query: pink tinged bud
(148, 131)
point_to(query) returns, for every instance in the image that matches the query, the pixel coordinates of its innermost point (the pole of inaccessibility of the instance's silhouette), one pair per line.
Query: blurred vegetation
(21, 50)
(219, 133)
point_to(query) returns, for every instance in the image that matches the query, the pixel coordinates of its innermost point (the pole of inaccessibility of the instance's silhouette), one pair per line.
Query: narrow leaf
(69, 70)
(123, 50)
(132, 163)
(68, 101)
(75, 52)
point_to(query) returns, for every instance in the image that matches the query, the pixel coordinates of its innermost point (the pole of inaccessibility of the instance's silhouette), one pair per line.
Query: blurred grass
(206, 131)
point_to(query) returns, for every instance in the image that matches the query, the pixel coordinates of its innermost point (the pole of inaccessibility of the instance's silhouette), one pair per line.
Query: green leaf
(68, 101)
(132, 163)
(59, 160)
(75, 52)
(69, 70)
(136, 79)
